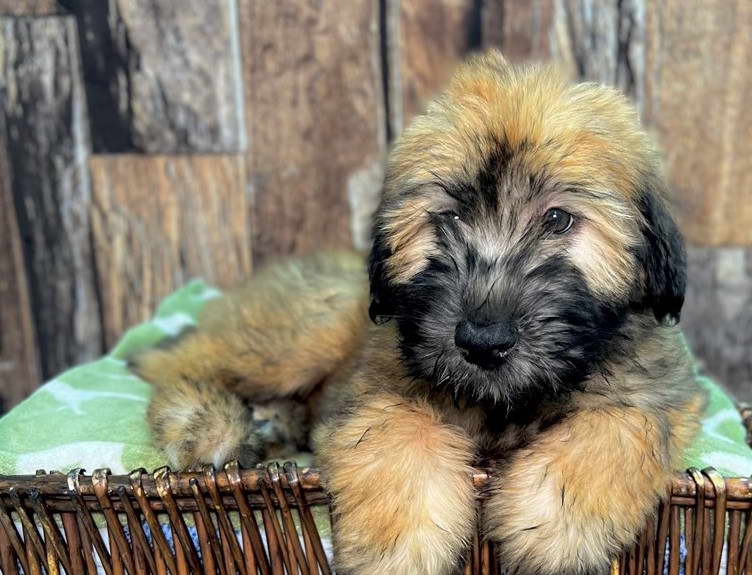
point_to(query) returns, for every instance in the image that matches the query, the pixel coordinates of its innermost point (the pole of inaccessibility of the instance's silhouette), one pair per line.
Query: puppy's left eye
(558, 221)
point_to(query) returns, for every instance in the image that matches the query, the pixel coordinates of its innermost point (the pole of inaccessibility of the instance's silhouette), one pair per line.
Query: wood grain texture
(426, 39)
(521, 28)
(45, 150)
(591, 39)
(717, 316)
(28, 7)
(602, 41)
(162, 76)
(159, 221)
(19, 361)
(316, 122)
(697, 87)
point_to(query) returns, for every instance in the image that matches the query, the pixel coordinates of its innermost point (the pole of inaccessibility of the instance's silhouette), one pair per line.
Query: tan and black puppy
(525, 282)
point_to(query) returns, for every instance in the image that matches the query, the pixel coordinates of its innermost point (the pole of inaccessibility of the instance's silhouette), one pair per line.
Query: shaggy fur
(526, 278)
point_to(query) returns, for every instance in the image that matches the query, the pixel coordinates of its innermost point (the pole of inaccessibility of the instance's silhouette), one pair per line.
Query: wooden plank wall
(45, 149)
(315, 122)
(143, 142)
(159, 220)
(19, 360)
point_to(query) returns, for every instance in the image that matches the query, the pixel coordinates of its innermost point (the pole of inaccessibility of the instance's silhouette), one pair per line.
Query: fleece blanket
(92, 416)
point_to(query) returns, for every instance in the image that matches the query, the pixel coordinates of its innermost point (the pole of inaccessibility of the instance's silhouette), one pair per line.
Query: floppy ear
(663, 257)
(381, 307)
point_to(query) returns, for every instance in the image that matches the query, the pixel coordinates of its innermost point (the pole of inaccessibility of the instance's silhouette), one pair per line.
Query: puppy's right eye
(449, 215)
(558, 221)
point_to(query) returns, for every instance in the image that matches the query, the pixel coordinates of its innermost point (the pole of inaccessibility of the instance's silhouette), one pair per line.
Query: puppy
(526, 279)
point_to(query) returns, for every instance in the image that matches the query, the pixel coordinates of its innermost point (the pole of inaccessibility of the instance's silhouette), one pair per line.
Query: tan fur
(579, 493)
(589, 133)
(388, 452)
(279, 335)
(577, 480)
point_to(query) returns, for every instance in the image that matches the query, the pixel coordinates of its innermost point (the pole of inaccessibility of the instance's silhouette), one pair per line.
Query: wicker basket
(262, 521)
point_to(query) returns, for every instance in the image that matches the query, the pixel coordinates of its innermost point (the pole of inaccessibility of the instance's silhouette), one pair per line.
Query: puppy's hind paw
(190, 456)
(208, 427)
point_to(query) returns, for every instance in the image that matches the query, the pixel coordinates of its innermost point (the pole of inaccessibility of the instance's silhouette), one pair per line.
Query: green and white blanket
(92, 416)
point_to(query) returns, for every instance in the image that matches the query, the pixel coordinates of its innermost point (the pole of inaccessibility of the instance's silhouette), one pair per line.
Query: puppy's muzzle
(485, 344)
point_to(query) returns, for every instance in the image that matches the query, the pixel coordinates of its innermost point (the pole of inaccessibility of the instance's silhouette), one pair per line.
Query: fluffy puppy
(525, 283)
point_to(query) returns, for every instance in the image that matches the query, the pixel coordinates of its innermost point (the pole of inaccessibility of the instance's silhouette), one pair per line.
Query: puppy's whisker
(436, 364)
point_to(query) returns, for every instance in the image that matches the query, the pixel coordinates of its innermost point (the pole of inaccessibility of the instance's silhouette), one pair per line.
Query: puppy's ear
(381, 307)
(663, 258)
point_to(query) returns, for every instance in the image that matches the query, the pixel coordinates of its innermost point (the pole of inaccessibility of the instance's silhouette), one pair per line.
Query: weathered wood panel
(590, 39)
(19, 362)
(28, 7)
(45, 150)
(601, 41)
(698, 83)
(425, 40)
(316, 123)
(522, 28)
(159, 221)
(162, 76)
(717, 315)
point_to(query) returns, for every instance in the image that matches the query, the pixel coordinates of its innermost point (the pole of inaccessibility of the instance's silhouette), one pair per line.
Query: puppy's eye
(449, 215)
(558, 221)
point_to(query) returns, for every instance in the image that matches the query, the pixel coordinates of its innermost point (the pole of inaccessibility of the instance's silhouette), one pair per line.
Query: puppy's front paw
(401, 488)
(563, 505)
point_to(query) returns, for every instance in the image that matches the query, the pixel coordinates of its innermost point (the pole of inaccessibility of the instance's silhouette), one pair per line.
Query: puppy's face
(522, 223)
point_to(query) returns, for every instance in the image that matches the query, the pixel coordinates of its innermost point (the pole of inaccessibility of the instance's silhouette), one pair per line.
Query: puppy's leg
(278, 336)
(401, 486)
(577, 495)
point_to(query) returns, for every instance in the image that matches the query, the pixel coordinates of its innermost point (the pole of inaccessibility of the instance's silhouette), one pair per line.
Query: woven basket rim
(684, 486)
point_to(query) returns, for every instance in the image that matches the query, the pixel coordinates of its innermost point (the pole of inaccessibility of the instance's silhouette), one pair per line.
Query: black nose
(487, 344)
